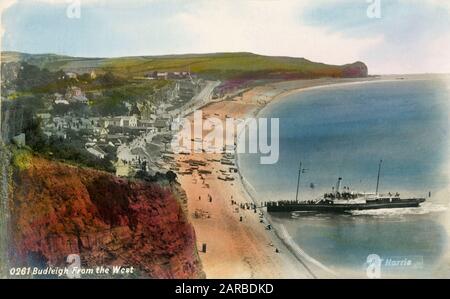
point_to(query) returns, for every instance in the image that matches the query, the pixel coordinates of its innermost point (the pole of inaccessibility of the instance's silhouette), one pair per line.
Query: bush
(22, 159)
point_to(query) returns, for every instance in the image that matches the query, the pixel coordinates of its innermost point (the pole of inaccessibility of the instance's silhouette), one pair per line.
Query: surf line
(300, 254)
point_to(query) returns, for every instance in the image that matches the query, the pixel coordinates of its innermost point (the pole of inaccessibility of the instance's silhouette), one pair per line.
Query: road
(201, 99)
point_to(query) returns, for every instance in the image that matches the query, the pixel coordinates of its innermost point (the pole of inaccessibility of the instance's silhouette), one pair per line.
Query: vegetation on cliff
(22, 159)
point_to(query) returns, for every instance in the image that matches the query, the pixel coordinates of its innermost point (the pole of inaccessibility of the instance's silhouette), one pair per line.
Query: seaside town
(136, 141)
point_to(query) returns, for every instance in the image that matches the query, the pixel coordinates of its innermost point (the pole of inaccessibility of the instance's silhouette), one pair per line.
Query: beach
(241, 241)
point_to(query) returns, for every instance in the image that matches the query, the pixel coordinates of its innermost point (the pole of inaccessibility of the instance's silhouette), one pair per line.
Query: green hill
(213, 66)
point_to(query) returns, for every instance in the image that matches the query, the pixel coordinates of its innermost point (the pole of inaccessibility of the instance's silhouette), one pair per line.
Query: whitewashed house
(96, 151)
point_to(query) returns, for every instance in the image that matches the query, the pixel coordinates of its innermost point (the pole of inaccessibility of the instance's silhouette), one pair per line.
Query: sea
(343, 131)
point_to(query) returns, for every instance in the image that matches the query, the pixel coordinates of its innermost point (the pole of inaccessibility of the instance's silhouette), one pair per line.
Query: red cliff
(59, 210)
(355, 70)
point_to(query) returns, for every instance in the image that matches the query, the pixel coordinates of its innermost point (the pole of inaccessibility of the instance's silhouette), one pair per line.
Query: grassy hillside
(213, 66)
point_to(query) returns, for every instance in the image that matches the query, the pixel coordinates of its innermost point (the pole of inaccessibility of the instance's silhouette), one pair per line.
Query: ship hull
(341, 208)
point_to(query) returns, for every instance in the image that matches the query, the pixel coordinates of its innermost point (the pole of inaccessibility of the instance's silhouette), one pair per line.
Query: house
(74, 94)
(151, 75)
(117, 139)
(157, 75)
(151, 117)
(176, 123)
(73, 91)
(112, 121)
(44, 116)
(82, 99)
(161, 124)
(19, 140)
(161, 109)
(121, 121)
(59, 99)
(129, 121)
(146, 123)
(96, 151)
(123, 168)
(71, 75)
(162, 75)
(63, 102)
(60, 135)
(103, 132)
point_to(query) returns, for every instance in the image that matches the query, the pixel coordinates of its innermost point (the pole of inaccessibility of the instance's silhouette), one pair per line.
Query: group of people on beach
(209, 197)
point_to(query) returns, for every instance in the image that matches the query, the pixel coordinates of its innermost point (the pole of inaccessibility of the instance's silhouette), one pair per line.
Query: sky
(406, 36)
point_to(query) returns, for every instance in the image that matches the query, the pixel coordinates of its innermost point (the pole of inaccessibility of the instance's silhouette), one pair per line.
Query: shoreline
(286, 260)
(278, 229)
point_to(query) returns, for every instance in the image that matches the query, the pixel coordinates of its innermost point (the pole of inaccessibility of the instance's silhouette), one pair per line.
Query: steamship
(339, 201)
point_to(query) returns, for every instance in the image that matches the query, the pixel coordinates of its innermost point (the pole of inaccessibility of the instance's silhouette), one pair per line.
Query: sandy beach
(239, 243)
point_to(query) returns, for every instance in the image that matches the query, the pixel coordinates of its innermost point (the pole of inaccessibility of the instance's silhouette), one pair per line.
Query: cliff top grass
(212, 65)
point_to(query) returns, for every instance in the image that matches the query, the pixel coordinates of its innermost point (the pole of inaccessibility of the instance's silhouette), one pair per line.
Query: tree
(171, 176)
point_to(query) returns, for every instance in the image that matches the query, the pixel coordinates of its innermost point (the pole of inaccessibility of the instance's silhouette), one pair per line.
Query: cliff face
(355, 70)
(59, 210)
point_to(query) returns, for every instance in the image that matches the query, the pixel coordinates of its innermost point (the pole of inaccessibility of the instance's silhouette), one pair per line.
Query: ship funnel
(338, 185)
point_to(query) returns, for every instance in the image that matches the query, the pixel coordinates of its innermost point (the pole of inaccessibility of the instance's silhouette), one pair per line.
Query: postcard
(252, 139)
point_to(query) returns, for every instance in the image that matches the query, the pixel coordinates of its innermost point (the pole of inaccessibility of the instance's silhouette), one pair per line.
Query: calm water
(343, 132)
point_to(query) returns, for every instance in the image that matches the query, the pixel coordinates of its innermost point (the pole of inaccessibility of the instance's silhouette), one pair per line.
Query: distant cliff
(355, 70)
(59, 210)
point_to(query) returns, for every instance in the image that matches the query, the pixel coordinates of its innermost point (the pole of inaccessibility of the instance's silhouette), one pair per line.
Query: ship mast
(300, 171)
(378, 177)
